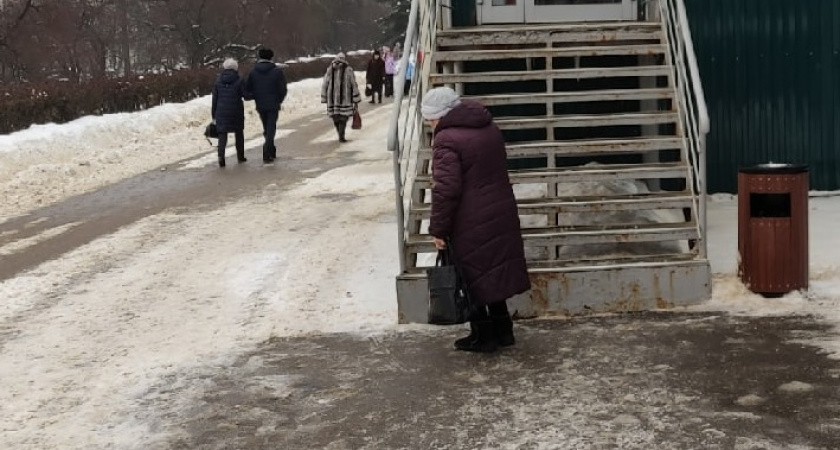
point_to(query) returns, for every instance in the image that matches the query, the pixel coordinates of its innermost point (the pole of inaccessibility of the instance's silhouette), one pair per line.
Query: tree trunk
(125, 45)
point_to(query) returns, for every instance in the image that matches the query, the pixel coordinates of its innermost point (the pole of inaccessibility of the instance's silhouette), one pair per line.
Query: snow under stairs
(598, 160)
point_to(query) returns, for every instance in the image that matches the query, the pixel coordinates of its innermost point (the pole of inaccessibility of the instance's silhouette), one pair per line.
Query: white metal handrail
(406, 126)
(694, 112)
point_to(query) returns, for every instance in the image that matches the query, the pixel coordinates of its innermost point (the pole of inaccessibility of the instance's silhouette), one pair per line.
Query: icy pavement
(645, 381)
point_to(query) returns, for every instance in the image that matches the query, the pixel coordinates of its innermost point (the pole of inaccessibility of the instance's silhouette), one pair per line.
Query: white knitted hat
(438, 102)
(230, 63)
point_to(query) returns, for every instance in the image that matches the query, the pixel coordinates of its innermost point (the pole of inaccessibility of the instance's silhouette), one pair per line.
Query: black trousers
(269, 123)
(239, 137)
(340, 123)
(389, 85)
(376, 90)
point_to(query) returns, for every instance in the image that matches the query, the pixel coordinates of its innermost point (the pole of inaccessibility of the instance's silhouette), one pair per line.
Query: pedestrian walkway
(646, 381)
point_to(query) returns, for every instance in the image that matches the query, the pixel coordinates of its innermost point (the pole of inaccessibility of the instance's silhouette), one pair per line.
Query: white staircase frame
(408, 137)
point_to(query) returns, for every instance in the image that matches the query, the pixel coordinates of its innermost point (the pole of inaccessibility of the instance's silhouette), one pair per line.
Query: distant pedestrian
(474, 208)
(228, 109)
(375, 76)
(390, 69)
(266, 85)
(409, 74)
(341, 94)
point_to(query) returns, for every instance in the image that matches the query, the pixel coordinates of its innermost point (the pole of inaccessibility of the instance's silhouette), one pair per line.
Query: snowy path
(85, 336)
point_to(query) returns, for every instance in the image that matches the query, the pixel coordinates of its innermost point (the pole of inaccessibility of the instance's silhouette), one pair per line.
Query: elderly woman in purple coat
(473, 207)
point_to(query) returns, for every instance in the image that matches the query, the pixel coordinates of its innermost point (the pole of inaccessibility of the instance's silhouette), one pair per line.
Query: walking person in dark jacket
(375, 76)
(266, 85)
(341, 94)
(228, 110)
(474, 208)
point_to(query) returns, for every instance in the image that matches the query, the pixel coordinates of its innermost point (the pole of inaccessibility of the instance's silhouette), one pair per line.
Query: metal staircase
(605, 125)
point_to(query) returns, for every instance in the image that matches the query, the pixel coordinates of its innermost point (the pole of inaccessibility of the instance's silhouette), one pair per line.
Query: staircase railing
(405, 138)
(406, 124)
(695, 115)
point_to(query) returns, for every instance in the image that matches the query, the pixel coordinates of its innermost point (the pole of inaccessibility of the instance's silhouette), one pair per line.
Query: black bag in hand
(449, 301)
(210, 131)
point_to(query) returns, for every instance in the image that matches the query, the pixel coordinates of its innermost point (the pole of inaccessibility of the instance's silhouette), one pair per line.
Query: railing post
(704, 249)
(393, 130)
(696, 116)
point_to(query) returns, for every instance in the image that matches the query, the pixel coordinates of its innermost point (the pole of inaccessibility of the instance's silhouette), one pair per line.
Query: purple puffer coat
(473, 204)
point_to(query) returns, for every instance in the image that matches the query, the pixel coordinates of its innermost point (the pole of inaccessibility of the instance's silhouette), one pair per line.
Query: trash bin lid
(773, 168)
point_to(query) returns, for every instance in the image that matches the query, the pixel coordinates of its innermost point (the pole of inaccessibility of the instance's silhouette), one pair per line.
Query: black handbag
(210, 131)
(368, 91)
(449, 299)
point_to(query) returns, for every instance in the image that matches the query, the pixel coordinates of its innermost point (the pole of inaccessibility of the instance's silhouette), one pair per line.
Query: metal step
(594, 146)
(610, 234)
(559, 205)
(585, 289)
(584, 235)
(606, 172)
(606, 261)
(579, 174)
(553, 27)
(605, 50)
(437, 79)
(588, 147)
(608, 95)
(540, 266)
(524, 34)
(589, 120)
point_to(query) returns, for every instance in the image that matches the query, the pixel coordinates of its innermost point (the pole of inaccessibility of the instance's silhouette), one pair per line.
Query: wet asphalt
(634, 381)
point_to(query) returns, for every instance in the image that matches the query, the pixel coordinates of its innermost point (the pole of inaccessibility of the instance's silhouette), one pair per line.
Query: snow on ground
(177, 293)
(822, 299)
(46, 163)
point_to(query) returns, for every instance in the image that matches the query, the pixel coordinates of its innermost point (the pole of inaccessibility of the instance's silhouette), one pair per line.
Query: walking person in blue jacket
(228, 110)
(266, 85)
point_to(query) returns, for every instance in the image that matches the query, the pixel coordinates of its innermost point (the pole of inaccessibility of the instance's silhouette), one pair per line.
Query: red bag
(357, 120)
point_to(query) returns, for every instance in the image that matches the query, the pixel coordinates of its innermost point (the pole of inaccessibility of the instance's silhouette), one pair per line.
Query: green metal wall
(771, 71)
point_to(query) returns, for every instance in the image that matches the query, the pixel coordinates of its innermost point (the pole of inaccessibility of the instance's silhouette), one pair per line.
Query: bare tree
(125, 42)
(79, 39)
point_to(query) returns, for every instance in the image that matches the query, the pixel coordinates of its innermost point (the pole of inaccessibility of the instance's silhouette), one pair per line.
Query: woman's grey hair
(230, 63)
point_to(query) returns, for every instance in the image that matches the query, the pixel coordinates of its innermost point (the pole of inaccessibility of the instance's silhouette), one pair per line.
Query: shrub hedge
(25, 104)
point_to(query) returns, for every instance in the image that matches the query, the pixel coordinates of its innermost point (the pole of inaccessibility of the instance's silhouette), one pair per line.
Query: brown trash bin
(773, 228)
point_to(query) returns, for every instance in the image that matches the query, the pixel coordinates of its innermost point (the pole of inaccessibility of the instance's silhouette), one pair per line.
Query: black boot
(503, 326)
(502, 323)
(485, 338)
(240, 155)
(342, 127)
(468, 338)
(267, 159)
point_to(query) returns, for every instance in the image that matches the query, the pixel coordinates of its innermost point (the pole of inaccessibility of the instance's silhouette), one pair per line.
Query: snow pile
(48, 163)
(596, 220)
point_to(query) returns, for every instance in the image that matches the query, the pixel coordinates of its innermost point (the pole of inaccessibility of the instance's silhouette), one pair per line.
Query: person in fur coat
(341, 94)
